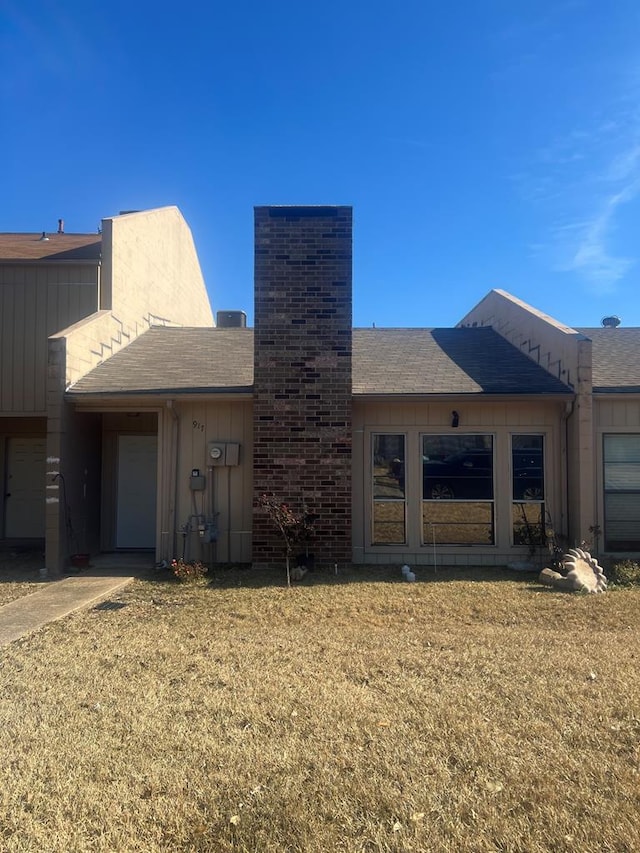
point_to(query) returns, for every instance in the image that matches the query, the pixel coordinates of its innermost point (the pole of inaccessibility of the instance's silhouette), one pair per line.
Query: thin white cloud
(582, 180)
(592, 257)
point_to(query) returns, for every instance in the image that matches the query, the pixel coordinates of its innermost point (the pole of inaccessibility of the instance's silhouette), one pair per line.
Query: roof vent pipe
(60, 226)
(611, 322)
(44, 237)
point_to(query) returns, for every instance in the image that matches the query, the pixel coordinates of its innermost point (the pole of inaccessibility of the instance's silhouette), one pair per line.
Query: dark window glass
(527, 490)
(457, 467)
(527, 467)
(457, 489)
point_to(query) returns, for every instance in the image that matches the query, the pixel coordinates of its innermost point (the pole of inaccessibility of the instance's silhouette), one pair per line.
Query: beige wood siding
(37, 300)
(499, 419)
(616, 413)
(229, 490)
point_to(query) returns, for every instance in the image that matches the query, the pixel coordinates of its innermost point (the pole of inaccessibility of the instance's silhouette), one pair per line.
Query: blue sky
(482, 143)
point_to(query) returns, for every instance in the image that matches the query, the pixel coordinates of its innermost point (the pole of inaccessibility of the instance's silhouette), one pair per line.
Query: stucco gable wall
(150, 276)
(76, 350)
(567, 354)
(150, 266)
(559, 349)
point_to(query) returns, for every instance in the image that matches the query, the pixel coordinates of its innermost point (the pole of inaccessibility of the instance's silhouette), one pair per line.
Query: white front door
(25, 492)
(136, 502)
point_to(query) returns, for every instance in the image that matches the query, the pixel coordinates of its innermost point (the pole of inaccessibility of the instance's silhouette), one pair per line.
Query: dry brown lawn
(19, 574)
(473, 712)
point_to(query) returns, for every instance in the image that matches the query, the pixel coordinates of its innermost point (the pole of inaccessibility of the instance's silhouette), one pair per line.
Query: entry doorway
(136, 491)
(25, 487)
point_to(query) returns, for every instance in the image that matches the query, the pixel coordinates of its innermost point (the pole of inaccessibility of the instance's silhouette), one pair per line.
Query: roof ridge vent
(611, 322)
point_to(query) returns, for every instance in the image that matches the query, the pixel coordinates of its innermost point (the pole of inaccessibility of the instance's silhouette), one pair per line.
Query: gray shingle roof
(444, 361)
(57, 247)
(170, 359)
(385, 361)
(616, 359)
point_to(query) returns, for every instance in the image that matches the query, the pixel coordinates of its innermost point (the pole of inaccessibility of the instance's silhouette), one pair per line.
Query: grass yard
(20, 574)
(476, 712)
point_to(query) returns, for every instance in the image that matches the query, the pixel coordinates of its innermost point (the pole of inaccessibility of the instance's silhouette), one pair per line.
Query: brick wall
(302, 373)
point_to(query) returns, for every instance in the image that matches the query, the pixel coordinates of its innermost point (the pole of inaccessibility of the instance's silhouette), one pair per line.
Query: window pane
(457, 467)
(527, 466)
(621, 476)
(457, 523)
(388, 523)
(622, 492)
(622, 522)
(528, 524)
(622, 448)
(388, 466)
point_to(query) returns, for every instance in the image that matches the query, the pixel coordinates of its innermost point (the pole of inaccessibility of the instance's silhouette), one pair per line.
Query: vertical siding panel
(40, 346)
(184, 458)
(21, 333)
(51, 290)
(32, 368)
(7, 348)
(63, 306)
(619, 415)
(36, 301)
(245, 492)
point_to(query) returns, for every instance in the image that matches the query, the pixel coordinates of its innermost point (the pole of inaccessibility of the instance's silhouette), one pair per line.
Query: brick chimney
(302, 374)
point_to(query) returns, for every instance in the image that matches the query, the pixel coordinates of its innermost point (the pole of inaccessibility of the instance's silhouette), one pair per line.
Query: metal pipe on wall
(173, 481)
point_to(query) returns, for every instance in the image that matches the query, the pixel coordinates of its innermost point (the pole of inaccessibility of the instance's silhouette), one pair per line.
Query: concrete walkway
(56, 600)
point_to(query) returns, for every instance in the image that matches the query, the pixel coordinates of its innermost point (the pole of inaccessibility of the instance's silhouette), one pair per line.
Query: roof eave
(463, 395)
(241, 392)
(28, 262)
(616, 391)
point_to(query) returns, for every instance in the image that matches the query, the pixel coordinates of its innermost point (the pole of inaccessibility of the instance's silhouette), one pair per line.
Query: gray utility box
(223, 453)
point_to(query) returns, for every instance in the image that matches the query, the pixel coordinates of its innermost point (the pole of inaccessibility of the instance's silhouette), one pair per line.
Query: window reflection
(388, 467)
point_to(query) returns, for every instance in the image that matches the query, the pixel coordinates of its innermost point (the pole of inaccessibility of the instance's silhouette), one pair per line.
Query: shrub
(188, 571)
(626, 573)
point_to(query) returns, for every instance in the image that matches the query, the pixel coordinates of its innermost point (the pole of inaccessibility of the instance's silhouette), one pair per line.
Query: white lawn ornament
(582, 573)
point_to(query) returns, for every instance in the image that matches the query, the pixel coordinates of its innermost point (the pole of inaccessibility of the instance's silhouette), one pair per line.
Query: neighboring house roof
(385, 361)
(58, 247)
(616, 359)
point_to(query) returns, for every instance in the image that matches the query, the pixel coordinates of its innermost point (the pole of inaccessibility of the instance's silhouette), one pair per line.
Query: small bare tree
(294, 527)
